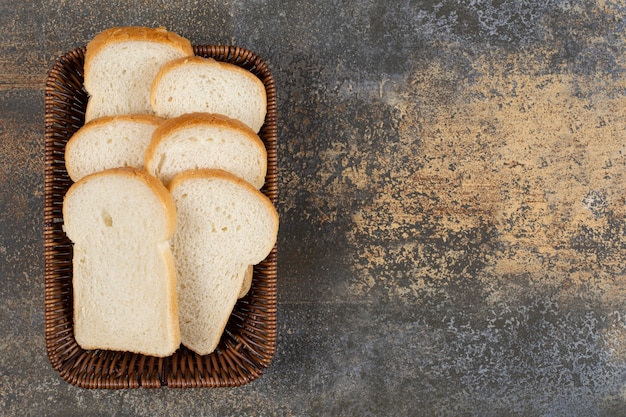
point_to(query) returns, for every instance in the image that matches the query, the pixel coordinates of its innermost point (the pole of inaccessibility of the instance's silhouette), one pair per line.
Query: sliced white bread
(120, 66)
(224, 226)
(247, 282)
(124, 281)
(109, 142)
(206, 140)
(198, 84)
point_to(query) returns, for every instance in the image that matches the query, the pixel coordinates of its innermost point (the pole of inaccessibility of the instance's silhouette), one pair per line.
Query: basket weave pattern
(249, 341)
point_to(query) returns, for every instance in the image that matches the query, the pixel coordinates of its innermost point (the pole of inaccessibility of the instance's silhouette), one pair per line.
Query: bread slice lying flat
(120, 66)
(206, 140)
(198, 84)
(109, 142)
(224, 226)
(124, 280)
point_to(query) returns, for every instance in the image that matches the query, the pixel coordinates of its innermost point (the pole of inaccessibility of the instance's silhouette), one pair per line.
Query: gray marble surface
(452, 206)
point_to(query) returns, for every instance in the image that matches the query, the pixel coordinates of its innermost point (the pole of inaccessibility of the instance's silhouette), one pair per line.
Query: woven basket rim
(249, 341)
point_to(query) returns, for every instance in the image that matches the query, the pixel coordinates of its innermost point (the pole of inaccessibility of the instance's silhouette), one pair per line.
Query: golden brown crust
(198, 118)
(135, 33)
(139, 118)
(172, 296)
(195, 119)
(202, 61)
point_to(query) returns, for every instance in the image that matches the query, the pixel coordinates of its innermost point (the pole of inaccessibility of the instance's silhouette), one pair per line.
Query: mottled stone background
(452, 205)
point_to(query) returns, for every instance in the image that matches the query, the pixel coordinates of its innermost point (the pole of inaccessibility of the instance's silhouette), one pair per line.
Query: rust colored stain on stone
(539, 159)
(481, 189)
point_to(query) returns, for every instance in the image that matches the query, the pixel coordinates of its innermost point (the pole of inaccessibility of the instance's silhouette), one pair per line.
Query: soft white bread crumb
(120, 66)
(109, 142)
(198, 84)
(124, 281)
(204, 140)
(224, 226)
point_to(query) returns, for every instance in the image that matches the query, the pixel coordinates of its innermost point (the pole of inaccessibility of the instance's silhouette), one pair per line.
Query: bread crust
(135, 33)
(174, 328)
(199, 118)
(190, 120)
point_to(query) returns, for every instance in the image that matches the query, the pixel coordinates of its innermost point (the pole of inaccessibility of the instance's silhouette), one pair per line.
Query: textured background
(451, 197)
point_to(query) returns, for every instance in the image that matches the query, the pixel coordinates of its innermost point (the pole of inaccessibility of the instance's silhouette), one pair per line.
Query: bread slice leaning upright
(120, 222)
(109, 142)
(198, 84)
(206, 140)
(120, 66)
(224, 226)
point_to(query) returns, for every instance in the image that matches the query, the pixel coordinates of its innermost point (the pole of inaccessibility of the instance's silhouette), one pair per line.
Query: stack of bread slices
(165, 214)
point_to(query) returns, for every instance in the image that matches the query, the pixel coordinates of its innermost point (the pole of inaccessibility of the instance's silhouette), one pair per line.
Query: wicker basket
(249, 341)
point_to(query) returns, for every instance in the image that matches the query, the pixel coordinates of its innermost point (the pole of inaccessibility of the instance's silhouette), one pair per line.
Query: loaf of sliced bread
(198, 84)
(120, 66)
(206, 140)
(109, 142)
(224, 226)
(124, 282)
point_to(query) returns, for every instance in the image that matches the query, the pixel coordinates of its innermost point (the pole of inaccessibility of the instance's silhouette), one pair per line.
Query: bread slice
(224, 226)
(120, 66)
(247, 282)
(198, 84)
(124, 281)
(205, 140)
(109, 142)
